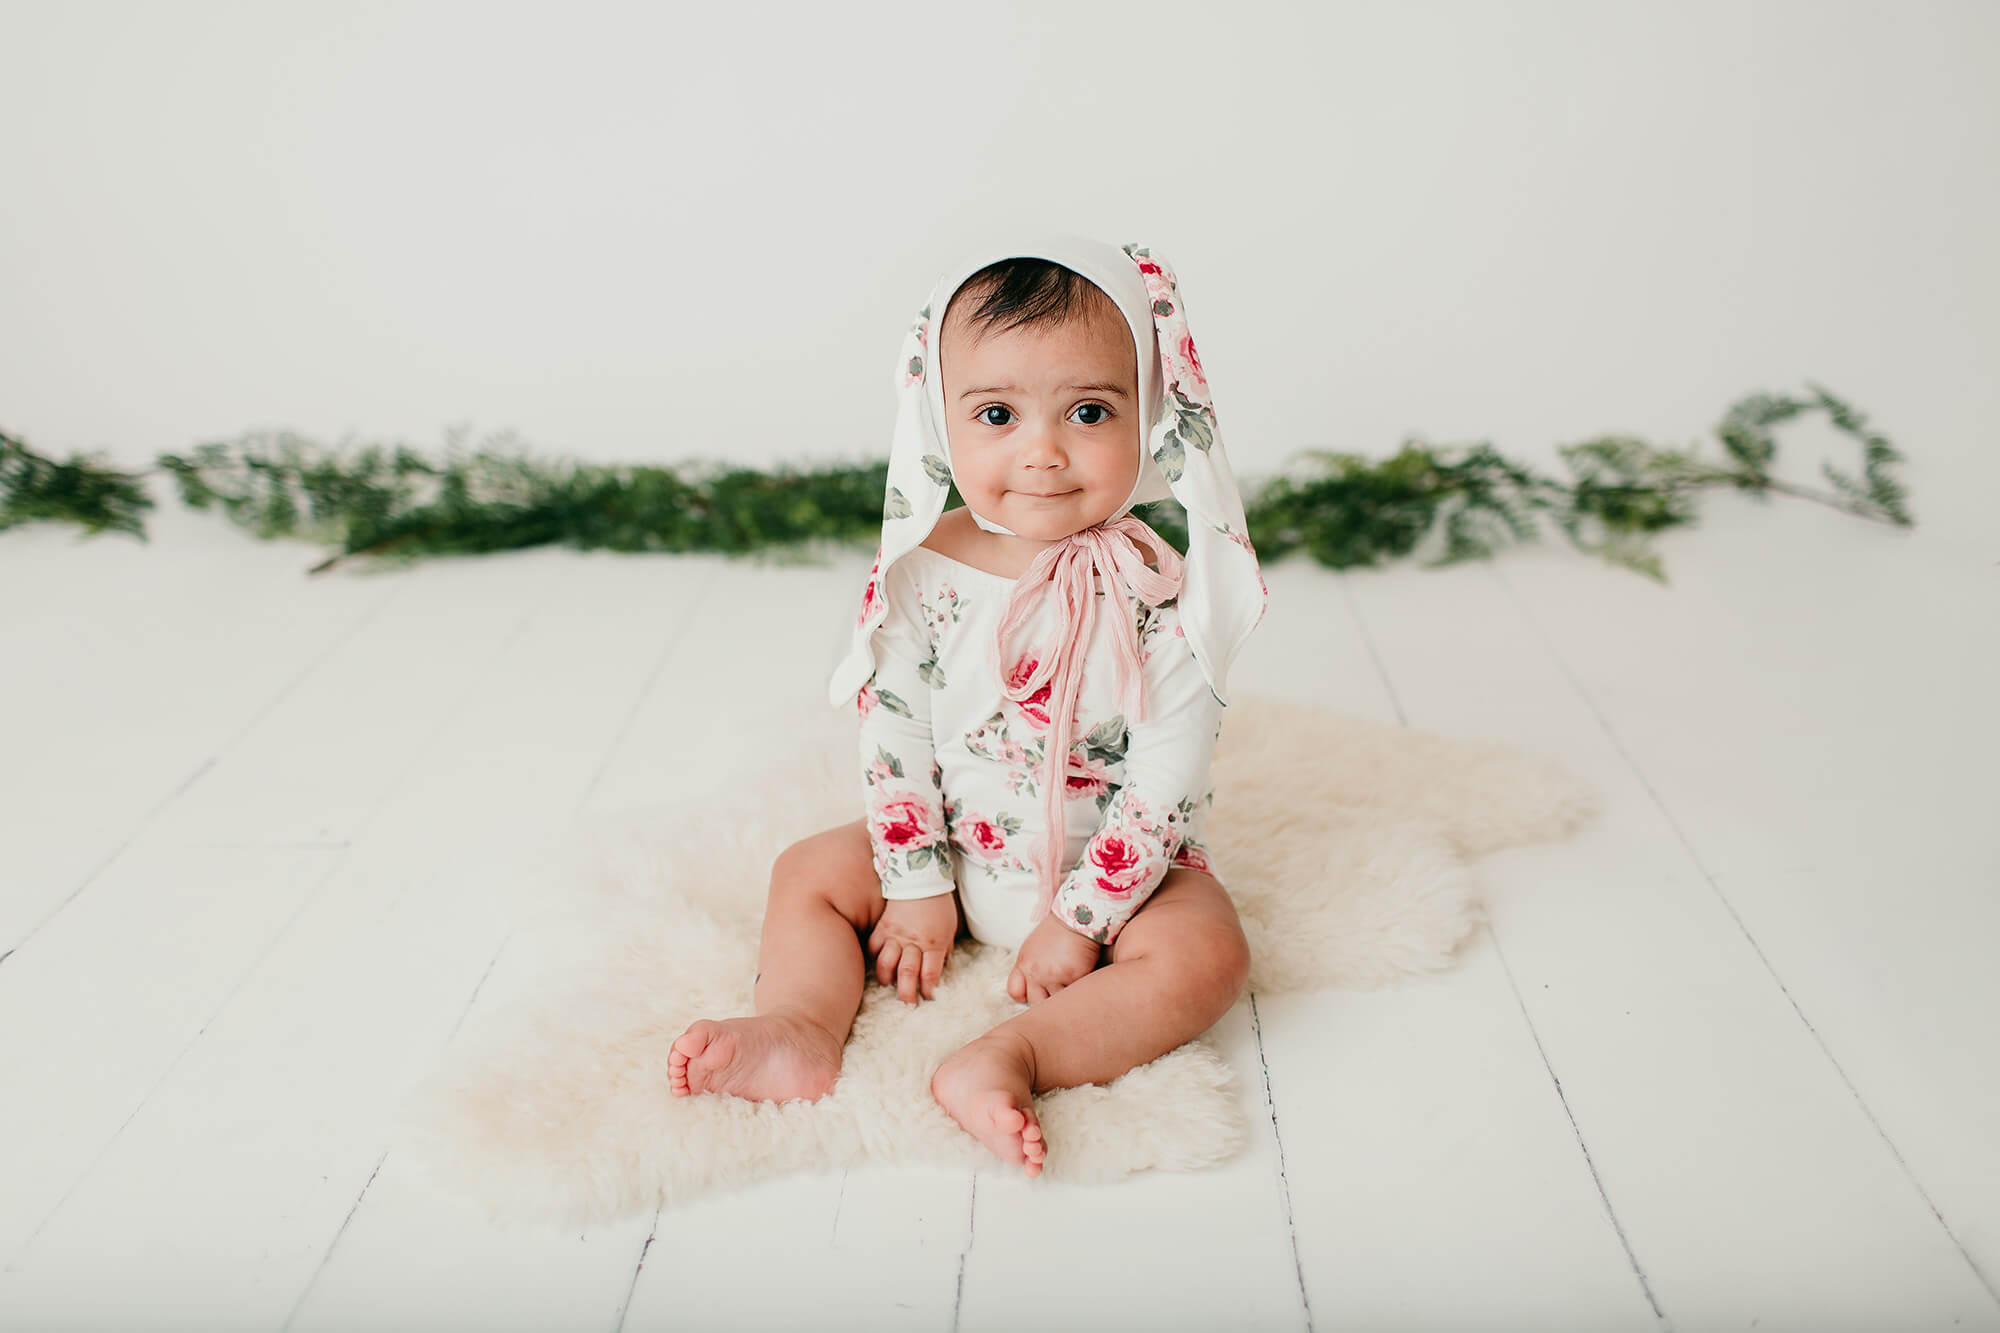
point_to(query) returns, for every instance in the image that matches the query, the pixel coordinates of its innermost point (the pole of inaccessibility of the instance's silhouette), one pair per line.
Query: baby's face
(1043, 412)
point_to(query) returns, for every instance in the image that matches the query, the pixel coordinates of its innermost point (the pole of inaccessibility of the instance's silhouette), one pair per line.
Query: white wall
(651, 233)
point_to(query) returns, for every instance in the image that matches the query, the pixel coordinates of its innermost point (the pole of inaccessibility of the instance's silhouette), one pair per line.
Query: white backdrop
(660, 232)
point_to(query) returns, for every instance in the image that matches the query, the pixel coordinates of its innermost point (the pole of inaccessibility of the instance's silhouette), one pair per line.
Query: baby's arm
(1167, 762)
(901, 782)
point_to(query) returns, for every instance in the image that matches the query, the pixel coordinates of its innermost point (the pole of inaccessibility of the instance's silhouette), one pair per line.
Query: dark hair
(1025, 291)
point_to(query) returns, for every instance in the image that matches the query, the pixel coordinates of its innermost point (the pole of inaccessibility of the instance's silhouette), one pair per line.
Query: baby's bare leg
(1174, 970)
(824, 900)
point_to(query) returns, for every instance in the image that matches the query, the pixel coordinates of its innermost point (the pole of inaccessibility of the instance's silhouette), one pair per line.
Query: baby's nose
(1040, 443)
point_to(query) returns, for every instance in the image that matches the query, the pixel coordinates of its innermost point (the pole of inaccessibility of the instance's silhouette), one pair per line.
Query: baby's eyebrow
(1086, 388)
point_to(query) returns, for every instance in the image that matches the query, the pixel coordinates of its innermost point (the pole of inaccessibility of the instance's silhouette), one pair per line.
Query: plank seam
(299, 678)
(1284, 1185)
(1576, 1129)
(1693, 856)
(1403, 720)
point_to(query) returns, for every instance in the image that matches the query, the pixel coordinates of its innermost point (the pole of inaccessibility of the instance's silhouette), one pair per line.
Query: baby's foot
(988, 1087)
(769, 1058)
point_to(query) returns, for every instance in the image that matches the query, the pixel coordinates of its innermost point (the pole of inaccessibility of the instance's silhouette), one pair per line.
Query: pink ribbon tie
(1110, 549)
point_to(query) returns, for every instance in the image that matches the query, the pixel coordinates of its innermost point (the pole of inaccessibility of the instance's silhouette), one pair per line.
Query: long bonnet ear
(1218, 607)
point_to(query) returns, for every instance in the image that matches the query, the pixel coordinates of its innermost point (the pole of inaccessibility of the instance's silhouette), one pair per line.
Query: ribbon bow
(1112, 549)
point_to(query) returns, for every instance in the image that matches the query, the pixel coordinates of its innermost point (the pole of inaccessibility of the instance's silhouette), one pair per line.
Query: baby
(1025, 673)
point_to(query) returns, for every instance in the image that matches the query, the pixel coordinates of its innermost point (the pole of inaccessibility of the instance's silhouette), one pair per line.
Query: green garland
(1340, 508)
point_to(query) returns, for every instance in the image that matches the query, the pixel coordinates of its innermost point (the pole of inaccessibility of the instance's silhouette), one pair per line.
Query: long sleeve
(902, 784)
(1166, 781)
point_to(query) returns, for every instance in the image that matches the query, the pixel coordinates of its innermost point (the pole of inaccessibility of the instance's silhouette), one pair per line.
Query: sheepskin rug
(1344, 843)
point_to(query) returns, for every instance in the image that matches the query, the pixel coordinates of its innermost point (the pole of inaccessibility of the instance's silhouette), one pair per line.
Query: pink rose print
(981, 834)
(1188, 363)
(1193, 858)
(879, 772)
(1178, 357)
(982, 840)
(904, 822)
(1114, 855)
(1085, 777)
(1036, 708)
(1036, 705)
(1185, 374)
(1140, 817)
(868, 596)
(866, 700)
(1119, 863)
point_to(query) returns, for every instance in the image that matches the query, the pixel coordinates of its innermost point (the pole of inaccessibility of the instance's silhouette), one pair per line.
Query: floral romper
(951, 767)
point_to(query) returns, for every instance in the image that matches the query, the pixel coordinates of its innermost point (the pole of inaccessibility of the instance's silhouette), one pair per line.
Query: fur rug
(1344, 844)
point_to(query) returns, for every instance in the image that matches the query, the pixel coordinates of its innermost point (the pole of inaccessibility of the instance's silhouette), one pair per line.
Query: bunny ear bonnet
(1222, 595)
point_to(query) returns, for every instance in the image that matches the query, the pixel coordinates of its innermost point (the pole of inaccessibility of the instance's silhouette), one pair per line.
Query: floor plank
(874, 1245)
(1822, 739)
(186, 913)
(1204, 1249)
(1746, 1178)
(130, 669)
(1719, 1054)
(411, 1254)
(1435, 1177)
(242, 1164)
(871, 1234)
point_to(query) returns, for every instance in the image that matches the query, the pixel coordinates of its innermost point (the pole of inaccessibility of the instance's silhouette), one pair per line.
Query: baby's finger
(906, 974)
(1037, 992)
(885, 962)
(933, 969)
(1017, 985)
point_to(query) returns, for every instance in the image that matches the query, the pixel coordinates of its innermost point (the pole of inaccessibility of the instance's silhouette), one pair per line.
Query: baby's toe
(694, 1040)
(689, 1045)
(1004, 1115)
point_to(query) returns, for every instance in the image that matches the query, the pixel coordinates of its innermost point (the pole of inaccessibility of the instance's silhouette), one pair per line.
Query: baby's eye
(1099, 420)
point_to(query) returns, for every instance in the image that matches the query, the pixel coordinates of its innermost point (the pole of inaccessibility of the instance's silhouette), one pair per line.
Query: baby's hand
(1050, 958)
(910, 943)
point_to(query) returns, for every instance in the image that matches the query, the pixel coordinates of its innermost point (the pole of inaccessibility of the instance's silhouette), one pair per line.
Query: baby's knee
(797, 865)
(1226, 957)
(837, 867)
(1208, 956)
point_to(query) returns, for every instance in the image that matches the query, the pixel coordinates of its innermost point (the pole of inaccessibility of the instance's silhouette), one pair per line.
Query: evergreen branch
(1346, 511)
(83, 490)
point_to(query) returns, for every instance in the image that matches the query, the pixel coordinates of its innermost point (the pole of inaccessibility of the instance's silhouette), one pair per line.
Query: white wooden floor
(1726, 1060)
